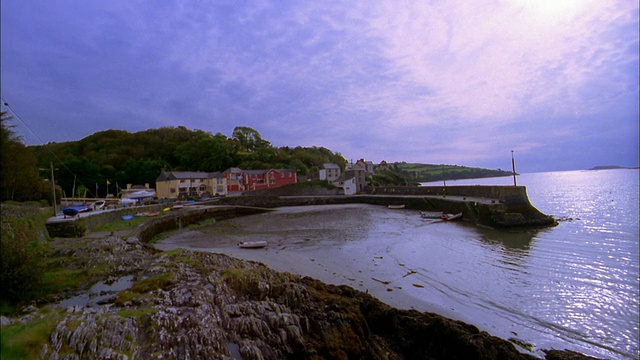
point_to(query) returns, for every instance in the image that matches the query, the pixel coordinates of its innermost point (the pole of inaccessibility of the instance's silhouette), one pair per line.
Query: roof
(330, 166)
(183, 175)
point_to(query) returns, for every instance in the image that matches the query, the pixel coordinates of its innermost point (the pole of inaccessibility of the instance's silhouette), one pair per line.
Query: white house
(330, 172)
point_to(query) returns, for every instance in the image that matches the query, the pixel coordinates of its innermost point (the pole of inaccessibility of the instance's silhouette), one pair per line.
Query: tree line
(105, 161)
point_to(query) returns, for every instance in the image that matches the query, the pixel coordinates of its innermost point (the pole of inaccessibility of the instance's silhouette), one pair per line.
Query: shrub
(20, 269)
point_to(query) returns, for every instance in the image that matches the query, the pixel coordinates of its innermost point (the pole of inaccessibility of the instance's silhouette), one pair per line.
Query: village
(172, 185)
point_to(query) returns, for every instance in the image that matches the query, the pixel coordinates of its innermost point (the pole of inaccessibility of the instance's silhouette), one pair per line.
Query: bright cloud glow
(444, 82)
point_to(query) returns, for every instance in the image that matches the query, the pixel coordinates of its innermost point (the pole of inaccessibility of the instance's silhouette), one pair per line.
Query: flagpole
(513, 168)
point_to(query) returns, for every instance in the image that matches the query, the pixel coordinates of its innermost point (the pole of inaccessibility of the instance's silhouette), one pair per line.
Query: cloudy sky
(443, 82)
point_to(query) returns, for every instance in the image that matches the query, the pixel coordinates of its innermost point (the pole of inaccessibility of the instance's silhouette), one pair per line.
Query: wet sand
(322, 242)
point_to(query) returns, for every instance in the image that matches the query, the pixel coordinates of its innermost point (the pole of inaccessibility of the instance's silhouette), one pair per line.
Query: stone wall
(175, 220)
(504, 194)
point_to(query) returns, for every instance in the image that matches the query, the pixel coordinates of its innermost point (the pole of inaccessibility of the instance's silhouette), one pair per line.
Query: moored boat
(252, 244)
(449, 217)
(74, 210)
(431, 214)
(396, 206)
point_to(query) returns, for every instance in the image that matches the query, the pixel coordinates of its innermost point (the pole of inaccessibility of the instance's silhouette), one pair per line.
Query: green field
(431, 172)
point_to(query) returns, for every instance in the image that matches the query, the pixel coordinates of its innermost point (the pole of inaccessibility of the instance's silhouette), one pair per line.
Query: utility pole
(53, 190)
(513, 167)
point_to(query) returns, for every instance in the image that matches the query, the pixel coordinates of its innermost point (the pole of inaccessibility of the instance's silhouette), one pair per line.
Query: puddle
(234, 350)
(98, 292)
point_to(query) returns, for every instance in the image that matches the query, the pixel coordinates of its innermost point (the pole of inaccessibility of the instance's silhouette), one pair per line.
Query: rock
(191, 305)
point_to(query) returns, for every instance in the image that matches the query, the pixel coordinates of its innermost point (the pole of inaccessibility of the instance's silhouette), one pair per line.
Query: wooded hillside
(121, 157)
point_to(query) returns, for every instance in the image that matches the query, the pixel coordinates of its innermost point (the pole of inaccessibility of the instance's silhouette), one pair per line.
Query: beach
(324, 243)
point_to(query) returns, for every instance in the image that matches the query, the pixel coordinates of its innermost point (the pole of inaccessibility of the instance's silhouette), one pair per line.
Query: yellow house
(182, 184)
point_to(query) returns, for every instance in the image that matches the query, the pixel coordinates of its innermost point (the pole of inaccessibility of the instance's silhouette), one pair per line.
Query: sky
(439, 82)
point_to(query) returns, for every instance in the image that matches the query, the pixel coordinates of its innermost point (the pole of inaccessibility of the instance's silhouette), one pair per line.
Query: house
(262, 179)
(235, 179)
(180, 184)
(347, 182)
(384, 166)
(330, 172)
(361, 164)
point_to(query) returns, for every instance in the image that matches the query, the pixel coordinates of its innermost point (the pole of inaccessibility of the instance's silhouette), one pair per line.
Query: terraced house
(246, 180)
(180, 184)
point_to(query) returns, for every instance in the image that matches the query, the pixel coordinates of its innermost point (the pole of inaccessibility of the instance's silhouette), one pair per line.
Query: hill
(417, 172)
(111, 158)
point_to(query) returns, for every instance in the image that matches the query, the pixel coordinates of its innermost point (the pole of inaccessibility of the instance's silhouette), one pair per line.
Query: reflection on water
(98, 293)
(571, 286)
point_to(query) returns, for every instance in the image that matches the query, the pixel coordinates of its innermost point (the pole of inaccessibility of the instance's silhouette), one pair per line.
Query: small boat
(252, 244)
(127, 217)
(449, 217)
(128, 202)
(396, 206)
(177, 207)
(431, 214)
(98, 205)
(141, 194)
(74, 210)
(154, 213)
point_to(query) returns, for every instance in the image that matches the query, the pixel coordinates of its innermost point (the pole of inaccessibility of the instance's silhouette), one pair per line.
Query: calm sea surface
(577, 282)
(573, 286)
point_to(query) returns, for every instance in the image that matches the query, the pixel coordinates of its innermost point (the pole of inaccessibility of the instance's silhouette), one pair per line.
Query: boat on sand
(439, 216)
(396, 206)
(252, 244)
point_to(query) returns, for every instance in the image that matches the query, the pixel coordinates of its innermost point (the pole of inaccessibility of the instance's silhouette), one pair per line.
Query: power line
(13, 112)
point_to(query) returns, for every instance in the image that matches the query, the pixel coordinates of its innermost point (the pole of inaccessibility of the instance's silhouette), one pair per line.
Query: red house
(245, 180)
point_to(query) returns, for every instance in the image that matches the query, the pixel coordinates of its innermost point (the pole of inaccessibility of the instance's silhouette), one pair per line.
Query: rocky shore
(184, 304)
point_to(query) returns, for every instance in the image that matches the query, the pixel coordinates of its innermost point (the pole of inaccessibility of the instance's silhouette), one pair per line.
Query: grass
(24, 340)
(122, 225)
(162, 281)
(58, 280)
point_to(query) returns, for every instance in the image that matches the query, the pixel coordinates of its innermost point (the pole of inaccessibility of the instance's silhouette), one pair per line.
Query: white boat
(449, 217)
(439, 216)
(142, 194)
(127, 201)
(431, 214)
(252, 244)
(98, 205)
(396, 206)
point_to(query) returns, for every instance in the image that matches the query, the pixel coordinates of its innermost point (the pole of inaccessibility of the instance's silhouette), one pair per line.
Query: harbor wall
(502, 207)
(504, 194)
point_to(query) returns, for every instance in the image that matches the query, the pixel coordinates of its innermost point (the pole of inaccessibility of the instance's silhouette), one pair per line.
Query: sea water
(573, 286)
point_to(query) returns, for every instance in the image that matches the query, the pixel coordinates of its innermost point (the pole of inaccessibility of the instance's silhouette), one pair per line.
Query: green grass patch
(24, 341)
(55, 281)
(186, 257)
(161, 281)
(139, 289)
(120, 225)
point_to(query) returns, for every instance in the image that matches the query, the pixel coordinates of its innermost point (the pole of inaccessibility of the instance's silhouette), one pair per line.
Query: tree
(248, 139)
(19, 178)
